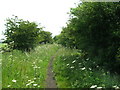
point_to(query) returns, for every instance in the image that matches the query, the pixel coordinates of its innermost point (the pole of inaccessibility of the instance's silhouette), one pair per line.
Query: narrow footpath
(50, 80)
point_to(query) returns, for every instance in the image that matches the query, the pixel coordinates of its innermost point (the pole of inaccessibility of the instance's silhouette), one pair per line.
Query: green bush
(20, 34)
(94, 29)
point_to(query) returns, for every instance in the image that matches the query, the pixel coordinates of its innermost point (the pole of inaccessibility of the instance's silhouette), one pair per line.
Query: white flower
(83, 68)
(38, 67)
(34, 84)
(14, 81)
(116, 87)
(35, 67)
(35, 78)
(99, 87)
(87, 59)
(74, 61)
(29, 80)
(28, 84)
(93, 86)
(8, 85)
(97, 66)
(33, 62)
(90, 69)
(72, 67)
(64, 59)
(10, 56)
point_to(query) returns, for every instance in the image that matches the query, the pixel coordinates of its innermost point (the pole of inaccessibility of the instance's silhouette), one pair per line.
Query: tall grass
(72, 71)
(2, 45)
(26, 70)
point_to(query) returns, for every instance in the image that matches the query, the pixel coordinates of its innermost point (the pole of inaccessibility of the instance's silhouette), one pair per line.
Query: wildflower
(93, 86)
(10, 56)
(99, 87)
(64, 59)
(72, 67)
(13, 80)
(29, 80)
(33, 62)
(38, 67)
(87, 59)
(35, 66)
(97, 66)
(34, 84)
(28, 84)
(83, 68)
(74, 61)
(116, 87)
(8, 85)
(35, 78)
(90, 69)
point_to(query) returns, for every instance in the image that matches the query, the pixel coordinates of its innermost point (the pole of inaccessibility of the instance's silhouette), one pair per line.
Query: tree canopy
(24, 35)
(95, 28)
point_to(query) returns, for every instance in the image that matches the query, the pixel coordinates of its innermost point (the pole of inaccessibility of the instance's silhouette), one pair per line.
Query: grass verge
(26, 70)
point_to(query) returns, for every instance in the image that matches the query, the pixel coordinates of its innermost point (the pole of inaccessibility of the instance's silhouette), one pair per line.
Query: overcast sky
(52, 14)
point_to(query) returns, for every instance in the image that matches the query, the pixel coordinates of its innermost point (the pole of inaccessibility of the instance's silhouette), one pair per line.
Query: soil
(50, 80)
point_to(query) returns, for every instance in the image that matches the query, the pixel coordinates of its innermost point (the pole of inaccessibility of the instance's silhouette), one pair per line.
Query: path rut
(50, 80)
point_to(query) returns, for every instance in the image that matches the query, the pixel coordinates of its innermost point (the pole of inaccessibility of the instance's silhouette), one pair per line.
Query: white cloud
(52, 14)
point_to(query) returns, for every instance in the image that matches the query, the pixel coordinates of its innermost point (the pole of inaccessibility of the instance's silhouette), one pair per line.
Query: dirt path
(50, 80)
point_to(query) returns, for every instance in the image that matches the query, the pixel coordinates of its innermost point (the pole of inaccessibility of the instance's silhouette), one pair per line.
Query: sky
(52, 14)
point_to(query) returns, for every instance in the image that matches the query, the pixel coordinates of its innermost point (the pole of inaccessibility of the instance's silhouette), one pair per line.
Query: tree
(20, 34)
(95, 28)
(45, 37)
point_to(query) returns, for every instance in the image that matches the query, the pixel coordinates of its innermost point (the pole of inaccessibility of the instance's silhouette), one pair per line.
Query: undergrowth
(72, 70)
(28, 69)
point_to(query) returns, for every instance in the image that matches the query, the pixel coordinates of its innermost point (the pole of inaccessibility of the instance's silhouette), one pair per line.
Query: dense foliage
(24, 35)
(72, 71)
(94, 28)
(45, 37)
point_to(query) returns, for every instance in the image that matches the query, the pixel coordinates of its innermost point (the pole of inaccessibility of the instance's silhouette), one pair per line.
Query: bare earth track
(50, 80)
